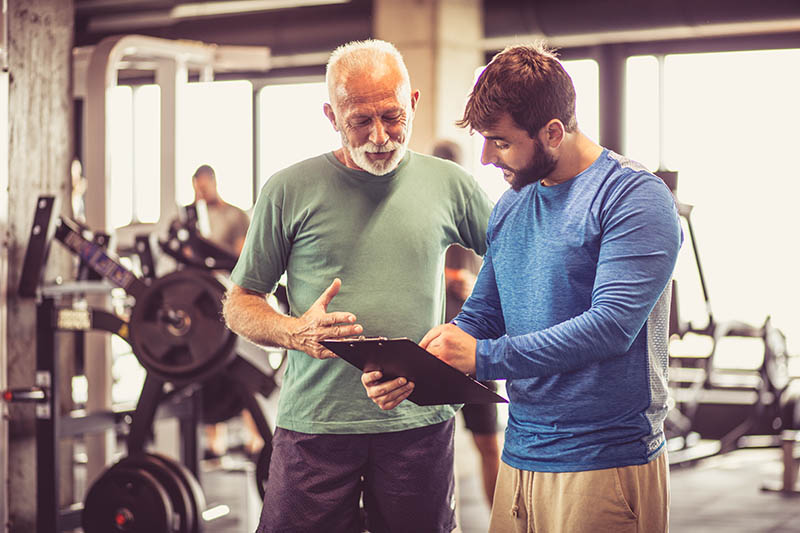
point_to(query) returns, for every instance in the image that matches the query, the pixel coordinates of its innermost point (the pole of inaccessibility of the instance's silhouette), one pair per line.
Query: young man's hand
(453, 346)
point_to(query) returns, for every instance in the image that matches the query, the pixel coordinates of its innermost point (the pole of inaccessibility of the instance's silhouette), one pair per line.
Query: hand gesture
(453, 346)
(317, 324)
(387, 394)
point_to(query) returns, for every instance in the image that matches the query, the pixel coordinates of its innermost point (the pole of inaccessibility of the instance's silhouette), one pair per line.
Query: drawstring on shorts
(517, 484)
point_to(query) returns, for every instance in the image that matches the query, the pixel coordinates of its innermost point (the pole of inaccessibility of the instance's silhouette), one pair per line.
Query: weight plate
(129, 500)
(198, 498)
(222, 399)
(176, 327)
(181, 498)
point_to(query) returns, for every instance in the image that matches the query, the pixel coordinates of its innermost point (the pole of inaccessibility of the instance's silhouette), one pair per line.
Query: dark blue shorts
(316, 482)
(481, 418)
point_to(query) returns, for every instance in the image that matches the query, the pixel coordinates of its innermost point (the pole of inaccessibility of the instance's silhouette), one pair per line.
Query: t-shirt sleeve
(639, 246)
(472, 229)
(266, 248)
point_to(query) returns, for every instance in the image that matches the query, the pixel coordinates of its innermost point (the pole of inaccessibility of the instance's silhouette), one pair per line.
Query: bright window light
(120, 120)
(292, 126)
(147, 152)
(585, 77)
(731, 131)
(641, 111)
(216, 128)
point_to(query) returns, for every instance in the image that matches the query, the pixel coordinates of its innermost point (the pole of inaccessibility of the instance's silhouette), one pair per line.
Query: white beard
(379, 167)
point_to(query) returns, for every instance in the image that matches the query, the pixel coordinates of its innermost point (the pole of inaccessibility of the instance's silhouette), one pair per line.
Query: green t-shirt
(385, 238)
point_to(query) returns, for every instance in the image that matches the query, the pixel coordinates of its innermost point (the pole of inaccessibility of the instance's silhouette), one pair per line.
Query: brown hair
(529, 83)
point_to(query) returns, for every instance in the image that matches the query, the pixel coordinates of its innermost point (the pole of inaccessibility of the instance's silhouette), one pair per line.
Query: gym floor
(718, 494)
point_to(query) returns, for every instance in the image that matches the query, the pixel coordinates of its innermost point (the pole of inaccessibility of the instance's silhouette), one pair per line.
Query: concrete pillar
(40, 36)
(611, 60)
(441, 43)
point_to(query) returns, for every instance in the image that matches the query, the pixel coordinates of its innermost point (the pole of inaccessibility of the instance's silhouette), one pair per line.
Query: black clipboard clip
(435, 382)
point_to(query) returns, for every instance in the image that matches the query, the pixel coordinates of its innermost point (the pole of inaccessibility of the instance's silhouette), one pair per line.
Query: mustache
(388, 146)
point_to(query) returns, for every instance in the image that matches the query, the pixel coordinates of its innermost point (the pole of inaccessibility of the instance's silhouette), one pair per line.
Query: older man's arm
(247, 313)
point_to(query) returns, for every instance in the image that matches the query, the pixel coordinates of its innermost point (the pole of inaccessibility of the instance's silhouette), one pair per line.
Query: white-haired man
(359, 232)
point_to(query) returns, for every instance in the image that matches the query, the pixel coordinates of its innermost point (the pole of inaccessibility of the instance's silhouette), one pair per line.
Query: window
(134, 133)
(642, 120)
(147, 151)
(120, 120)
(215, 127)
(731, 131)
(292, 126)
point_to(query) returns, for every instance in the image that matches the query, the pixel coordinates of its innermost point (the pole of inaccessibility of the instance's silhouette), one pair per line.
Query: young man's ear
(553, 133)
(328, 110)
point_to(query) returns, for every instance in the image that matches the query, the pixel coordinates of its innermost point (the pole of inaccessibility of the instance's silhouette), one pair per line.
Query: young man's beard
(540, 166)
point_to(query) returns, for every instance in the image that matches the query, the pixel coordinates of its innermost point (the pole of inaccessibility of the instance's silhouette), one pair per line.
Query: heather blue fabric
(572, 306)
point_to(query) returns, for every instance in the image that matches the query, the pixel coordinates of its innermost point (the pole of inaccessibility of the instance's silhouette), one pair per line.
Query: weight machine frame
(183, 401)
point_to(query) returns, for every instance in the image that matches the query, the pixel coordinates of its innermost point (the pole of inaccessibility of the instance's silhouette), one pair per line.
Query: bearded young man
(360, 232)
(571, 307)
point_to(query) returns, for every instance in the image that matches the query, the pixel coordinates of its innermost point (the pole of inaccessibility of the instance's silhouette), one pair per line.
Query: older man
(359, 232)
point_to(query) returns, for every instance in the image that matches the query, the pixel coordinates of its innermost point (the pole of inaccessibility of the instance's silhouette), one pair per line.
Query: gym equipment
(177, 331)
(175, 323)
(145, 492)
(186, 245)
(790, 452)
(715, 404)
(130, 499)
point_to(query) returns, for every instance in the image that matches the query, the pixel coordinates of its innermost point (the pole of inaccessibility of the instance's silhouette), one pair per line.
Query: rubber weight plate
(177, 332)
(129, 500)
(198, 498)
(222, 399)
(180, 496)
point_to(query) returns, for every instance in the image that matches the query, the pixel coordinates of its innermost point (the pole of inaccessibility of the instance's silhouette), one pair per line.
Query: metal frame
(51, 427)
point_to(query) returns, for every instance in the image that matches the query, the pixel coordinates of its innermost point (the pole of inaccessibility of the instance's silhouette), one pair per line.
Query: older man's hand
(453, 346)
(318, 324)
(387, 394)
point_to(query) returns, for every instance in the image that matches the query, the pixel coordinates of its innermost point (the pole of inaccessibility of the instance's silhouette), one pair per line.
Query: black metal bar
(81, 320)
(95, 422)
(700, 271)
(145, 253)
(47, 463)
(85, 271)
(189, 427)
(96, 257)
(252, 377)
(105, 321)
(38, 246)
(70, 517)
(142, 423)
(252, 405)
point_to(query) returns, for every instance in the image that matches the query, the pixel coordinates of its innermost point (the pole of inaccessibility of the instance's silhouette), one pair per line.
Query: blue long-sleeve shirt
(571, 307)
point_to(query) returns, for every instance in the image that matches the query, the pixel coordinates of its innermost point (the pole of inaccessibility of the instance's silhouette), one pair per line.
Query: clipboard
(435, 382)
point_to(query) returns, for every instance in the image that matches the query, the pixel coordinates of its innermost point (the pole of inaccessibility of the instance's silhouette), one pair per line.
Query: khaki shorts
(630, 499)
